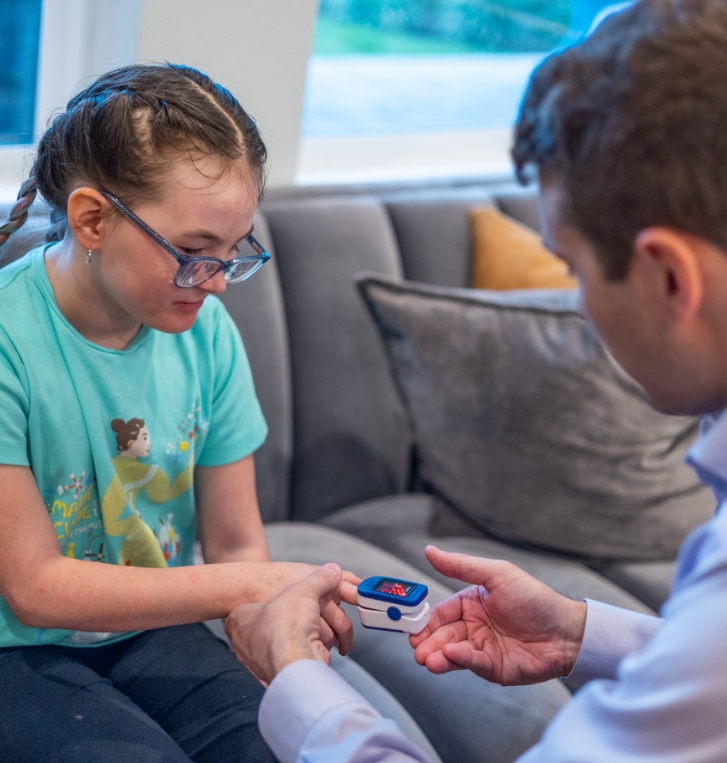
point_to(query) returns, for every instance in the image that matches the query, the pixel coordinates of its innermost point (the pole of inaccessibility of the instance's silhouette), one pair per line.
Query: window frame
(78, 40)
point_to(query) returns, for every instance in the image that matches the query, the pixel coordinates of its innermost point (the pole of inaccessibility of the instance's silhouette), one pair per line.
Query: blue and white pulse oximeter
(389, 604)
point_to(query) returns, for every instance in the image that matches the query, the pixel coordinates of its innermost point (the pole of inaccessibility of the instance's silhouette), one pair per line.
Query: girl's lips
(189, 306)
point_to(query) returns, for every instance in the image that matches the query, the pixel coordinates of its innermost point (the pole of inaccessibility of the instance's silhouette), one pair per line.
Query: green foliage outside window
(441, 26)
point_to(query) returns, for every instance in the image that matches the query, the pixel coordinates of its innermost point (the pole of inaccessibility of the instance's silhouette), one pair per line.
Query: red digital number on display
(394, 589)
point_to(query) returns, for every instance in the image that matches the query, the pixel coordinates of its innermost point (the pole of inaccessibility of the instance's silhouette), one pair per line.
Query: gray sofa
(337, 479)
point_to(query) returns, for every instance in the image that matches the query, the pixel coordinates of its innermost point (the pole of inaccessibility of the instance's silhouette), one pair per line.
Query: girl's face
(200, 212)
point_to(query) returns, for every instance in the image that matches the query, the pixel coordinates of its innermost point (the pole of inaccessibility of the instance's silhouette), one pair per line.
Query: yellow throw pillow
(508, 255)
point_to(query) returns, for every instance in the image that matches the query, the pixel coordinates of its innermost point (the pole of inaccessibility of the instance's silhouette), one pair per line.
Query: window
(425, 86)
(19, 42)
(48, 49)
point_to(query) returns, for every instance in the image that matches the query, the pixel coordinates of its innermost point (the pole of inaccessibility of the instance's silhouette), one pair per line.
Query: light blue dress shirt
(653, 689)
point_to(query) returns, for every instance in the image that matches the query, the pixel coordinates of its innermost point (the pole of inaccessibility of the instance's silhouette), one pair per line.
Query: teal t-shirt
(113, 436)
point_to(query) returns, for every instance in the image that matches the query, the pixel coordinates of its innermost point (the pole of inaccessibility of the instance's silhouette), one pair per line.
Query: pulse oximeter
(389, 604)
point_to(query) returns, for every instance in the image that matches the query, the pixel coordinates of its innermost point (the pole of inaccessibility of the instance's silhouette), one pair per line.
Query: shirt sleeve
(14, 406)
(611, 634)
(310, 714)
(667, 702)
(237, 426)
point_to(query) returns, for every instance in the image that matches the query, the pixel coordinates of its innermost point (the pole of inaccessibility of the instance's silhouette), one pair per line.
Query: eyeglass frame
(262, 256)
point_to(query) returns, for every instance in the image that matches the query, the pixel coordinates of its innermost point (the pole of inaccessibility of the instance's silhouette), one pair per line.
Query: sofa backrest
(257, 308)
(351, 440)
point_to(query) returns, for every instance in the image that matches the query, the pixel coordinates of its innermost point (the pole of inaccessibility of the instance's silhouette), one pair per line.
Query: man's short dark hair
(633, 124)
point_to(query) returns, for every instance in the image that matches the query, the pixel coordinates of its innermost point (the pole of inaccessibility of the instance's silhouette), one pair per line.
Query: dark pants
(171, 695)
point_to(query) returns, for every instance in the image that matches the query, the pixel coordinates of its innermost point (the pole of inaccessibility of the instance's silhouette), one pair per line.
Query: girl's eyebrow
(209, 236)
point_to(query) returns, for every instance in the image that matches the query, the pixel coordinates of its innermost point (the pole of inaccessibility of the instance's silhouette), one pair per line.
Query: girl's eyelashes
(234, 251)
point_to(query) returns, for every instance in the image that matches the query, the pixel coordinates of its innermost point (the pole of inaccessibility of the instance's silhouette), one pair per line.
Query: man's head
(628, 132)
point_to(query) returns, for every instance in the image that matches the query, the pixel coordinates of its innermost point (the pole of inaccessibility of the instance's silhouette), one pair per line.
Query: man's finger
(339, 623)
(448, 634)
(326, 634)
(468, 569)
(438, 664)
(467, 657)
(447, 611)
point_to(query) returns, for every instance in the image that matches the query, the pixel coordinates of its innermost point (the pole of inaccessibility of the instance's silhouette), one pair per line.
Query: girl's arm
(47, 590)
(228, 516)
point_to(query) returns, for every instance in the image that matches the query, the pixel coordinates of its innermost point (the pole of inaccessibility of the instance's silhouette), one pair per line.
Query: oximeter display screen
(394, 587)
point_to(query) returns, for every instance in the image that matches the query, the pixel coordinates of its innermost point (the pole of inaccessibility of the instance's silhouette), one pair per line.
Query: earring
(88, 256)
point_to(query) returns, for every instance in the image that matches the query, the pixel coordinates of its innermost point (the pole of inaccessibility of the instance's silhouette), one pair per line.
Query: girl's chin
(172, 323)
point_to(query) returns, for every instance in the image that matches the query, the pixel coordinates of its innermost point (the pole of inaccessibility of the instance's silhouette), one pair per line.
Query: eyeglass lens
(195, 273)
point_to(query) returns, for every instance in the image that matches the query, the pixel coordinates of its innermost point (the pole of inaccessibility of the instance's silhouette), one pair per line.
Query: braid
(19, 213)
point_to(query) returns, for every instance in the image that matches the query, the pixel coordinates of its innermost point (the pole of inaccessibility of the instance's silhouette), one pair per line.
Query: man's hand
(508, 628)
(301, 623)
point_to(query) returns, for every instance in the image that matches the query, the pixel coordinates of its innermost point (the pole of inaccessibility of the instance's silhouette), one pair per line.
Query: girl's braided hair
(119, 133)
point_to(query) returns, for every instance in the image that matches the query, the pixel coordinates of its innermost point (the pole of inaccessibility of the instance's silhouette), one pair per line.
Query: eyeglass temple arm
(254, 243)
(141, 224)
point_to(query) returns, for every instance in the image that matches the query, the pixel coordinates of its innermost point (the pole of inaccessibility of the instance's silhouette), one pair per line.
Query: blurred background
(343, 90)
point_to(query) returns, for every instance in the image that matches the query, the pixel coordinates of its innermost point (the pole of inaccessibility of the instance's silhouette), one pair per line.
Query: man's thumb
(323, 581)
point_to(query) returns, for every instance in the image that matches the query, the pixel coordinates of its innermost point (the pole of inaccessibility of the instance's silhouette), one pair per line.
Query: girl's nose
(216, 284)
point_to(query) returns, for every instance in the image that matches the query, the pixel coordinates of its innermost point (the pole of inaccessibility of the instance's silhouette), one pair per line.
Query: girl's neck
(82, 299)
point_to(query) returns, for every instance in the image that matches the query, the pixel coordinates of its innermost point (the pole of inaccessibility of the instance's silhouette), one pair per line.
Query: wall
(81, 39)
(258, 49)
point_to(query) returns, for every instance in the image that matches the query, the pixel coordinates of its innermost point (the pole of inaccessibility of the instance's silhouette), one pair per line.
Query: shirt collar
(708, 455)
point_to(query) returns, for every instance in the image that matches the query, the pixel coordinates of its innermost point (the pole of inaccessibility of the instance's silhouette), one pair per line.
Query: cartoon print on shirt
(190, 428)
(74, 515)
(169, 540)
(141, 547)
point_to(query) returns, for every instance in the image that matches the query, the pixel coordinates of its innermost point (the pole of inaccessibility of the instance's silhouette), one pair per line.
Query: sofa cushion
(464, 717)
(257, 308)
(403, 526)
(649, 582)
(350, 431)
(508, 255)
(29, 236)
(528, 428)
(521, 204)
(433, 234)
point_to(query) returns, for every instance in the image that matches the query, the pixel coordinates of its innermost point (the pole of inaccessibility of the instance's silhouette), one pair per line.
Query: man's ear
(670, 263)
(87, 212)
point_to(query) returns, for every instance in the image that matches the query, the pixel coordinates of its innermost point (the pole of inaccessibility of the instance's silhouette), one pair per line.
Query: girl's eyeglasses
(194, 271)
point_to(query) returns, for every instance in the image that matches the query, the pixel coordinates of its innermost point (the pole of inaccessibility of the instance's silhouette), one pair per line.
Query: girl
(153, 174)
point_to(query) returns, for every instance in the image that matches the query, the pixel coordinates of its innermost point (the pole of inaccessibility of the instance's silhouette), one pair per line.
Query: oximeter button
(394, 613)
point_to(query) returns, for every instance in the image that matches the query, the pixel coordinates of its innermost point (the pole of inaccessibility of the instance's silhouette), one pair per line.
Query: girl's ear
(87, 211)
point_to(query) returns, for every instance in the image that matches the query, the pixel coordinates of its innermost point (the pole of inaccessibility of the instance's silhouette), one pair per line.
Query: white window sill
(330, 161)
(15, 163)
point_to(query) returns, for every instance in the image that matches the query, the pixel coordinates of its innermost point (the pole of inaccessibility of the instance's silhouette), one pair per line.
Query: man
(628, 133)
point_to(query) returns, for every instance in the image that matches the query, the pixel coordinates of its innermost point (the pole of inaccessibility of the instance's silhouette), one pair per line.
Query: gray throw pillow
(528, 428)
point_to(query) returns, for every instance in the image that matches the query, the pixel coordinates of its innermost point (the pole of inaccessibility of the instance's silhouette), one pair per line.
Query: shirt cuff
(611, 634)
(297, 697)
